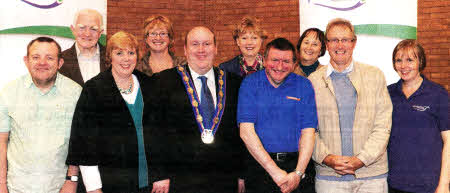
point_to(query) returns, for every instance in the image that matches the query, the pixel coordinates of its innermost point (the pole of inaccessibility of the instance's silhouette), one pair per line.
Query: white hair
(91, 12)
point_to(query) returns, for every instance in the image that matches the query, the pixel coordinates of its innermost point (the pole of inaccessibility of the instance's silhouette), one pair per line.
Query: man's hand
(338, 163)
(280, 178)
(241, 185)
(354, 163)
(69, 187)
(343, 164)
(292, 182)
(161, 186)
(3, 188)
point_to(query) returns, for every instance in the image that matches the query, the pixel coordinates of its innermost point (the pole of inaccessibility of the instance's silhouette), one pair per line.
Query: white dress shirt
(211, 82)
(89, 66)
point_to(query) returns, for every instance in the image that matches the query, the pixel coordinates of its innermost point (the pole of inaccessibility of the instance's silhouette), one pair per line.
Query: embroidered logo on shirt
(293, 98)
(420, 108)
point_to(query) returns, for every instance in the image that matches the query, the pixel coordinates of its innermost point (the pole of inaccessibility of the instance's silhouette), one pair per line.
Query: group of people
(133, 117)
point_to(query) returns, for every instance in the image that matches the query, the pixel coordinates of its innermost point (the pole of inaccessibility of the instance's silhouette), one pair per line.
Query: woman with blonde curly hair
(249, 37)
(158, 39)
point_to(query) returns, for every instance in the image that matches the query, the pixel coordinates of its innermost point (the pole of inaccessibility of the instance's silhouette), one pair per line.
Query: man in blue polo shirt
(277, 118)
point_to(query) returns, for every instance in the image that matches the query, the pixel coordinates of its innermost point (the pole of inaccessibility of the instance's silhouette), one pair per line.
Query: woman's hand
(161, 186)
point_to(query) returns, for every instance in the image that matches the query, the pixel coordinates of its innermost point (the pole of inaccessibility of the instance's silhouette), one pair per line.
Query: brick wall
(129, 15)
(433, 32)
(280, 19)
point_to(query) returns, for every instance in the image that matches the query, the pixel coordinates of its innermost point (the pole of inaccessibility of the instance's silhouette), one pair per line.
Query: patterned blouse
(247, 69)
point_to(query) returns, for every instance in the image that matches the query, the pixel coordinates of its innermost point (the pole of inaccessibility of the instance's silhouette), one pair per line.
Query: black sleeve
(82, 144)
(154, 124)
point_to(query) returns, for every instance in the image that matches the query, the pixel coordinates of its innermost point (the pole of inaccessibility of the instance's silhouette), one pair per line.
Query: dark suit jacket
(176, 149)
(71, 68)
(103, 132)
(232, 66)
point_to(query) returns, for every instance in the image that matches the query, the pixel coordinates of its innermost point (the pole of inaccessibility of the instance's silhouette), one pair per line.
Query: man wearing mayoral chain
(194, 143)
(277, 119)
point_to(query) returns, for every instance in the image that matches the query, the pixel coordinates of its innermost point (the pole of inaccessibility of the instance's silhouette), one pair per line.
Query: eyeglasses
(162, 34)
(343, 41)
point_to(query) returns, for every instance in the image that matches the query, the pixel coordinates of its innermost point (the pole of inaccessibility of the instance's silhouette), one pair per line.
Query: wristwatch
(299, 173)
(72, 178)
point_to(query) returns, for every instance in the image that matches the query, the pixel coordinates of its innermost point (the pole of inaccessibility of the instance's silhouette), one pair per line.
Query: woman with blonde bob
(249, 38)
(419, 146)
(107, 140)
(158, 39)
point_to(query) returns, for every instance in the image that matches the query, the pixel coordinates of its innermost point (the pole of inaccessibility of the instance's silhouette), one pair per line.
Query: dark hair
(47, 40)
(410, 44)
(280, 44)
(319, 35)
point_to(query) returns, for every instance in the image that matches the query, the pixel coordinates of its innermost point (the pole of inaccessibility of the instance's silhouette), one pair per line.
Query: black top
(103, 132)
(176, 149)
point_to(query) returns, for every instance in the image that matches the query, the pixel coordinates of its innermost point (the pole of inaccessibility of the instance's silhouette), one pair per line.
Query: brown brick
(280, 18)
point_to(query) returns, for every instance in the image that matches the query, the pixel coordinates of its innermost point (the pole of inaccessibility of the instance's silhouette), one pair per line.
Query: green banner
(59, 31)
(396, 31)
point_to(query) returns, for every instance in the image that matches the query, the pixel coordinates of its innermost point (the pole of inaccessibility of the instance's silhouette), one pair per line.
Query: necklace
(126, 91)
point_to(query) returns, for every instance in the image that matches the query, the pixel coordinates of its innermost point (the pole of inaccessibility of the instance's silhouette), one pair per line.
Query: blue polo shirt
(279, 114)
(415, 145)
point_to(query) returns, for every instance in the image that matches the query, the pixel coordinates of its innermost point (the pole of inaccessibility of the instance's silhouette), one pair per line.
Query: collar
(28, 82)
(209, 75)
(315, 64)
(423, 85)
(97, 51)
(330, 69)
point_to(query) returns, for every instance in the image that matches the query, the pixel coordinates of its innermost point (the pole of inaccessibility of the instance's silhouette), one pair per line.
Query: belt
(284, 156)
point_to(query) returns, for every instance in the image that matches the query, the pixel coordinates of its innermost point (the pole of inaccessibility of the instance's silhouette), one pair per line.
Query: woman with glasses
(419, 146)
(249, 38)
(158, 38)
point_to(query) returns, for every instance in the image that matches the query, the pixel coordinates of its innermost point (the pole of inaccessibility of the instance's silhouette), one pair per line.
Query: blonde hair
(159, 20)
(340, 22)
(414, 46)
(249, 24)
(120, 40)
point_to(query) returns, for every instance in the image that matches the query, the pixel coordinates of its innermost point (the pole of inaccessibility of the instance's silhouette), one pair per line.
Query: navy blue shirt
(279, 113)
(415, 145)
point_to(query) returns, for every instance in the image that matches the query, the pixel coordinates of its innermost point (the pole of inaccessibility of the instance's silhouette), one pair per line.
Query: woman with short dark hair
(310, 46)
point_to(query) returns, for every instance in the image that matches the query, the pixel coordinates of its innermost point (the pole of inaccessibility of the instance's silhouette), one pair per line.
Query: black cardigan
(103, 132)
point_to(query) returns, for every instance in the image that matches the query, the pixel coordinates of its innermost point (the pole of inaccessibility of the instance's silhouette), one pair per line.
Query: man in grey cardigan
(354, 111)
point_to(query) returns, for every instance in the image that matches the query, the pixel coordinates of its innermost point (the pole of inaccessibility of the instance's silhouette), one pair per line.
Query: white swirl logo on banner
(379, 25)
(24, 20)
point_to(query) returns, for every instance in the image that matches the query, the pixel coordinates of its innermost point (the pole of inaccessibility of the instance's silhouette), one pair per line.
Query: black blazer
(103, 132)
(232, 66)
(176, 149)
(71, 68)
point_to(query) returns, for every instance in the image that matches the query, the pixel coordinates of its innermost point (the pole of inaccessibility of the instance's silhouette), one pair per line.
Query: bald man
(195, 144)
